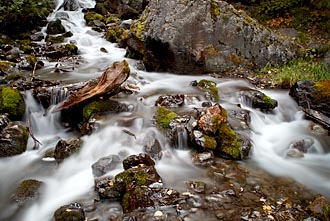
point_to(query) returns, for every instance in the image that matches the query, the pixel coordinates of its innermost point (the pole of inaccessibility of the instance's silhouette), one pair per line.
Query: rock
(55, 27)
(105, 164)
(152, 146)
(196, 186)
(27, 190)
(212, 133)
(302, 145)
(136, 160)
(59, 51)
(13, 139)
(65, 149)
(203, 159)
(125, 9)
(312, 95)
(319, 207)
(7, 68)
(12, 103)
(210, 89)
(169, 101)
(259, 100)
(74, 211)
(70, 5)
(108, 188)
(164, 117)
(204, 36)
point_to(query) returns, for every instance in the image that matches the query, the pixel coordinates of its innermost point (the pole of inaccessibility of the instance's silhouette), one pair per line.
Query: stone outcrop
(204, 36)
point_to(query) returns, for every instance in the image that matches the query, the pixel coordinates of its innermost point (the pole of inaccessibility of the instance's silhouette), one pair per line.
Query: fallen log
(110, 80)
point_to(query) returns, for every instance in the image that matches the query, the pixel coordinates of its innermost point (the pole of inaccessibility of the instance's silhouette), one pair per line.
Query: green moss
(164, 117)
(130, 177)
(111, 19)
(214, 10)
(138, 25)
(210, 142)
(99, 107)
(268, 101)
(230, 145)
(90, 16)
(322, 89)
(6, 65)
(210, 87)
(114, 34)
(55, 39)
(12, 103)
(72, 48)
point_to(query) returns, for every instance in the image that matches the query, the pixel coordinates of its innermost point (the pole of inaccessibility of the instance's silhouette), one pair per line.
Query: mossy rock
(214, 9)
(7, 67)
(26, 191)
(114, 34)
(12, 103)
(55, 39)
(55, 27)
(164, 117)
(71, 49)
(210, 87)
(12, 77)
(229, 143)
(90, 16)
(102, 106)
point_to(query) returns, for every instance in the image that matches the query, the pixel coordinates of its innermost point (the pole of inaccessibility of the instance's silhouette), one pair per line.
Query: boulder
(74, 211)
(13, 139)
(65, 148)
(193, 36)
(136, 160)
(312, 95)
(55, 27)
(71, 5)
(152, 146)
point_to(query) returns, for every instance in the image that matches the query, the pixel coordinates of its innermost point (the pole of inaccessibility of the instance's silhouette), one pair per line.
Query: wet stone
(65, 148)
(136, 160)
(196, 186)
(107, 188)
(105, 164)
(152, 146)
(170, 100)
(203, 159)
(26, 191)
(74, 211)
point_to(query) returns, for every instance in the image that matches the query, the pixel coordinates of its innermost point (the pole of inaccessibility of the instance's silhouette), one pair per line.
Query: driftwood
(110, 80)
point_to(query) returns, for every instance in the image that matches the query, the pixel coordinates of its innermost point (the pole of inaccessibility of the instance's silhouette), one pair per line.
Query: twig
(36, 141)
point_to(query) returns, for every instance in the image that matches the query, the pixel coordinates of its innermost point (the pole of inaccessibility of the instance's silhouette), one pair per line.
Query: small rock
(71, 212)
(105, 164)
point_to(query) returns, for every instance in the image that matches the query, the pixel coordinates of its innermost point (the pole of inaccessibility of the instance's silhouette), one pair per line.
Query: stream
(271, 134)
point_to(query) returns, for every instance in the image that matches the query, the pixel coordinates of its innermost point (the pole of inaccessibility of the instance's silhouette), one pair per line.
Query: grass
(285, 76)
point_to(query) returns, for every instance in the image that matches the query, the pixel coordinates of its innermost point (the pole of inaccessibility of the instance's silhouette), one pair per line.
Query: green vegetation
(99, 106)
(209, 87)
(23, 15)
(12, 103)
(215, 10)
(230, 145)
(164, 117)
(286, 75)
(300, 14)
(322, 89)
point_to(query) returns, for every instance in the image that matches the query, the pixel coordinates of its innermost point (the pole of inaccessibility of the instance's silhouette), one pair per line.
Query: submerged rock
(27, 190)
(71, 212)
(204, 36)
(13, 139)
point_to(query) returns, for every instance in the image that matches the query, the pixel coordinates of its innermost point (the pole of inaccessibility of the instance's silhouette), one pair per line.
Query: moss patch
(164, 117)
(100, 106)
(12, 103)
(322, 89)
(230, 145)
(214, 9)
(209, 87)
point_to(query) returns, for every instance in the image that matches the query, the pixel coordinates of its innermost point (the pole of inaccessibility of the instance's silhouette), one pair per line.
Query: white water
(73, 179)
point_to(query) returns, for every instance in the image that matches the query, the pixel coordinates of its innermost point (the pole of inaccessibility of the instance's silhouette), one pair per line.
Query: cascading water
(271, 134)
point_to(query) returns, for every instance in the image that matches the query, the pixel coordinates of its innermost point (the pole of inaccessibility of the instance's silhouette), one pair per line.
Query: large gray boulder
(198, 36)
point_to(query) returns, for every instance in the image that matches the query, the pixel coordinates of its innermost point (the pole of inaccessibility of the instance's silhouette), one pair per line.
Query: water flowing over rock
(26, 191)
(257, 99)
(105, 164)
(204, 36)
(13, 139)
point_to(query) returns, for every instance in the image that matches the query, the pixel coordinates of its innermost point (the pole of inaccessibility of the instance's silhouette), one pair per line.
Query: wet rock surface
(65, 148)
(74, 211)
(105, 164)
(259, 100)
(13, 139)
(26, 191)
